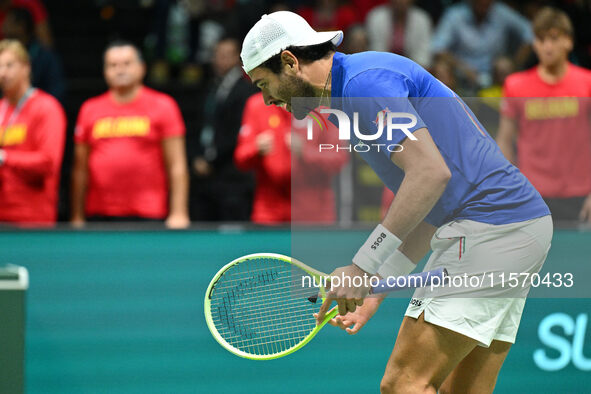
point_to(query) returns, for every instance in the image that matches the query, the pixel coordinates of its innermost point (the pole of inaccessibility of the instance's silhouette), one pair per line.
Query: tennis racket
(261, 306)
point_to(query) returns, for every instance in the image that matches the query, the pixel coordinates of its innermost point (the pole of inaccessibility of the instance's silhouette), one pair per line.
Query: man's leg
(424, 355)
(477, 372)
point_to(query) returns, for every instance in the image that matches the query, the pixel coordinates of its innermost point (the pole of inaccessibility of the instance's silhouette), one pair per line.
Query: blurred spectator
(47, 72)
(32, 136)
(328, 15)
(355, 40)
(502, 68)
(401, 28)
(262, 147)
(293, 178)
(443, 70)
(37, 11)
(174, 21)
(219, 190)
(478, 31)
(130, 150)
(547, 110)
(362, 7)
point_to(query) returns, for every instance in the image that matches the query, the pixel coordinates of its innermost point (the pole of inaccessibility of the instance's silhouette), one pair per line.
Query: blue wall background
(122, 312)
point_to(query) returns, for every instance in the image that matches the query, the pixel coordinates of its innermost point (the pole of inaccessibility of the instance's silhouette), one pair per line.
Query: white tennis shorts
(481, 300)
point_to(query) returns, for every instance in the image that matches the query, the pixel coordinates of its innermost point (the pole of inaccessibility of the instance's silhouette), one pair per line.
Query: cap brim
(321, 37)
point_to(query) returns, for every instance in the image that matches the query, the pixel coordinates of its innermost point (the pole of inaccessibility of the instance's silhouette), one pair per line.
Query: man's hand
(294, 143)
(177, 221)
(201, 167)
(352, 322)
(585, 214)
(264, 142)
(78, 222)
(347, 296)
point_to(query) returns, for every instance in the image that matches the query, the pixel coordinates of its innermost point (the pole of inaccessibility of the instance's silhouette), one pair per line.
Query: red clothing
(343, 17)
(34, 147)
(127, 174)
(554, 143)
(362, 7)
(311, 199)
(387, 199)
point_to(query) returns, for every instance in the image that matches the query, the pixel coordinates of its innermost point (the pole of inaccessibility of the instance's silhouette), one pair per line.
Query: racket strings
(261, 307)
(282, 325)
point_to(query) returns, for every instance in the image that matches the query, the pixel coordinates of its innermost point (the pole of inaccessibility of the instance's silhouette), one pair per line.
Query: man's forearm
(179, 191)
(416, 196)
(425, 177)
(415, 199)
(404, 260)
(79, 182)
(418, 243)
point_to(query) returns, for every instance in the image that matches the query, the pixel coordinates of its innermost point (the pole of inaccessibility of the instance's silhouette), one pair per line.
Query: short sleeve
(381, 99)
(170, 121)
(82, 130)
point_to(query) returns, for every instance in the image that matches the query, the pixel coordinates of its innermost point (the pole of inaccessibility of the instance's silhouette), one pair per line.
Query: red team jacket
(34, 146)
(288, 188)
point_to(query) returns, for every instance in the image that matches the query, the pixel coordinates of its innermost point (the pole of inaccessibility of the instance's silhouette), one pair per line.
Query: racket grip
(420, 279)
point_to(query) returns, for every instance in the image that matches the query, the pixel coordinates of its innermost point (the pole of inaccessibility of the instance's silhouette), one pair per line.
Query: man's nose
(267, 98)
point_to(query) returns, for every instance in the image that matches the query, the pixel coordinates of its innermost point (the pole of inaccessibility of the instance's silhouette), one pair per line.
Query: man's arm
(178, 178)
(418, 243)
(414, 248)
(506, 138)
(425, 177)
(79, 183)
(47, 133)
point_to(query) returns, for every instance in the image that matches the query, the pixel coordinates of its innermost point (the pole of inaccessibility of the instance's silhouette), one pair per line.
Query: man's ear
(289, 63)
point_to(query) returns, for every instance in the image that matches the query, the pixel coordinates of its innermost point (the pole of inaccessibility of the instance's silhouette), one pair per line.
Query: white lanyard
(17, 110)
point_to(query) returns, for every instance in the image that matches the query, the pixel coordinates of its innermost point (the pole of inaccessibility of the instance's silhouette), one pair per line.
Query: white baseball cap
(277, 31)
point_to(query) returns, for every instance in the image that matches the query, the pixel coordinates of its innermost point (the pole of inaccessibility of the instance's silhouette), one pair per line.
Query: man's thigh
(478, 371)
(423, 356)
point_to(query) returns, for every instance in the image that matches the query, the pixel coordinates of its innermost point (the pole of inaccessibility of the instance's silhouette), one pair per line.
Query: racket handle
(420, 279)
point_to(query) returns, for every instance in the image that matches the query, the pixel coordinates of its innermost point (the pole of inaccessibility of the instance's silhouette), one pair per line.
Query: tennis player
(455, 194)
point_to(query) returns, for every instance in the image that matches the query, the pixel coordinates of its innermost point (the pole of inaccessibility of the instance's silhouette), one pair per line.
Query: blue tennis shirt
(484, 186)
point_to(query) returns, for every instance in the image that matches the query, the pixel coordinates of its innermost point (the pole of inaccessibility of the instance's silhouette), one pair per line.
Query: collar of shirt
(336, 83)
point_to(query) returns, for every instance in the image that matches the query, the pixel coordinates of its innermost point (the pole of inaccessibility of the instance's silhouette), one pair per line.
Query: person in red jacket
(129, 159)
(32, 136)
(293, 178)
(547, 109)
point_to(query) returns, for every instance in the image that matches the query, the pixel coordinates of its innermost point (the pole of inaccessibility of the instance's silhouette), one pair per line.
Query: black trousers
(220, 200)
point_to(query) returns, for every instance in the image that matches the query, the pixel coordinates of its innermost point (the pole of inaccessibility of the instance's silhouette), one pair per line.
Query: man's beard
(291, 86)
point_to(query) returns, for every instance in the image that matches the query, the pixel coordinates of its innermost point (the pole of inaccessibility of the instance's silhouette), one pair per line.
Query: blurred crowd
(135, 159)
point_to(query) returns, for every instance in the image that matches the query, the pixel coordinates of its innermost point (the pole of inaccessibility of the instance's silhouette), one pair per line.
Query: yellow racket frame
(207, 307)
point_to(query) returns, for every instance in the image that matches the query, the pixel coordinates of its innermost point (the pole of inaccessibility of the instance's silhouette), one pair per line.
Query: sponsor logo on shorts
(416, 302)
